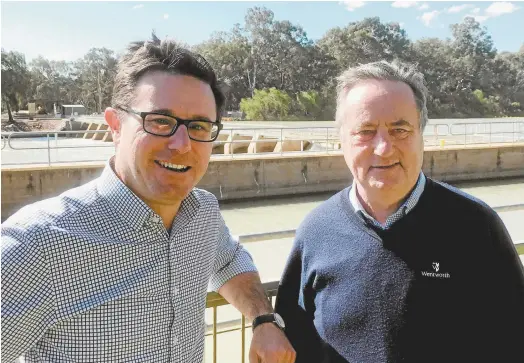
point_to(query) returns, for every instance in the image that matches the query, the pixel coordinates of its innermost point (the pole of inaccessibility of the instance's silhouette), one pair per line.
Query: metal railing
(314, 140)
(488, 132)
(215, 300)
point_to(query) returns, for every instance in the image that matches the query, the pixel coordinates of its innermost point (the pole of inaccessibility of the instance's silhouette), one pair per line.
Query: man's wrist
(272, 318)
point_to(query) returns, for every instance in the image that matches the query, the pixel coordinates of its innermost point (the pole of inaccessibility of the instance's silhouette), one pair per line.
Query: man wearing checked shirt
(117, 270)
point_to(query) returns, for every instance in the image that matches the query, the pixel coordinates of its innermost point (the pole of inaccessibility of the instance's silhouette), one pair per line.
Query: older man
(117, 270)
(399, 267)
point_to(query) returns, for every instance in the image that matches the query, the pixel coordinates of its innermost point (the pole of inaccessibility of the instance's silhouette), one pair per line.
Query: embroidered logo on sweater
(436, 267)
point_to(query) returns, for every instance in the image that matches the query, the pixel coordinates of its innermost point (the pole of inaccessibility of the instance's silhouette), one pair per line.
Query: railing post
(231, 151)
(281, 141)
(243, 332)
(48, 151)
(327, 140)
(214, 334)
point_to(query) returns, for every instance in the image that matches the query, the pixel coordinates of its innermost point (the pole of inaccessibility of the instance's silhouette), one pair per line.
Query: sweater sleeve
(507, 295)
(291, 303)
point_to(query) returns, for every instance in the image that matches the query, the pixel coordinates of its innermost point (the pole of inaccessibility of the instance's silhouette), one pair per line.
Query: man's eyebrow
(401, 122)
(367, 124)
(168, 112)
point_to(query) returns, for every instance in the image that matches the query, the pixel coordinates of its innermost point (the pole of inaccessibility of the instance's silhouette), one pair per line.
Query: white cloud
(166, 16)
(459, 8)
(404, 4)
(428, 17)
(352, 5)
(424, 6)
(139, 6)
(500, 8)
(401, 25)
(480, 18)
(492, 11)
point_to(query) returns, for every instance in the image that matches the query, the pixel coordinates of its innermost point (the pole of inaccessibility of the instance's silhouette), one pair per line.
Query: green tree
(15, 80)
(266, 104)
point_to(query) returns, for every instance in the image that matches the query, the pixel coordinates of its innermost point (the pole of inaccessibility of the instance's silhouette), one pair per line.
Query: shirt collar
(131, 209)
(404, 209)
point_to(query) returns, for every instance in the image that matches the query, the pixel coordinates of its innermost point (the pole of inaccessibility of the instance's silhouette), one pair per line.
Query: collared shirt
(94, 276)
(404, 209)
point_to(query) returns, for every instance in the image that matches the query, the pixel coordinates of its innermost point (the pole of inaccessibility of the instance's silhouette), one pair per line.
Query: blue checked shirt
(404, 209)
(93, 276)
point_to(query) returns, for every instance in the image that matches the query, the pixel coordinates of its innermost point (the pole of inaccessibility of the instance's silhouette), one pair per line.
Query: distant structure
(72, 110)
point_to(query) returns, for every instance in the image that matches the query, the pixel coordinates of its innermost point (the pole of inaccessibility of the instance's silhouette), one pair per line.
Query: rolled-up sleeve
(27, 295)
(231, 258)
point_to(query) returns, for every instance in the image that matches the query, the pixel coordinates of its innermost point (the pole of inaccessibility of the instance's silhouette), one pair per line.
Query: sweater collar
(410, 203)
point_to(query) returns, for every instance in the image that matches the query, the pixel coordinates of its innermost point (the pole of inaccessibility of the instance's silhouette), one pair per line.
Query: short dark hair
(142, 57)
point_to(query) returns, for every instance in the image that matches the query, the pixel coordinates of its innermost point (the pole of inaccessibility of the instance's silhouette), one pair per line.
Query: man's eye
(162, 121)
(400, 132)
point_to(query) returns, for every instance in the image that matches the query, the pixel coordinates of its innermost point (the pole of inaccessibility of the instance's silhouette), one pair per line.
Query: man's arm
(235, 278)
(506, 295)
(293, 305)
(27, 297)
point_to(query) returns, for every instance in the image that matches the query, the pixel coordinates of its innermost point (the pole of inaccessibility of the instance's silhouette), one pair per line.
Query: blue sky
(67, 30)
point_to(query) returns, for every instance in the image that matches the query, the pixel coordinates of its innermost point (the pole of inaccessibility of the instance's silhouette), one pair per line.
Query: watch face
(279, 321)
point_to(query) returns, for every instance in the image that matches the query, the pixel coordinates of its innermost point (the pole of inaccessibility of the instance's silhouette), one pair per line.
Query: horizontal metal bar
(508, 208)
(258, 237)
(215, 299)
(519, 246)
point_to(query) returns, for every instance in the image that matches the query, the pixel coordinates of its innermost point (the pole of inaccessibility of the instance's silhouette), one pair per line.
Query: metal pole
(243, 359)
(281, 141)
(231, 143)
(327, 140)
(48, 151)
(214, 334)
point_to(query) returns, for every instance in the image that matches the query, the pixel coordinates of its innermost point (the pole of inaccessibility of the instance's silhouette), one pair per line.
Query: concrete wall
(246, 177)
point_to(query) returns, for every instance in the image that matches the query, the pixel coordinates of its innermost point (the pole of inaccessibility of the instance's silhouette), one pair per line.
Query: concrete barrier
(262, 144)
(272, 175)
(100, 135)
(92, 126)
(292, 145)
(218, 146)
(108, 137)
(237, 147)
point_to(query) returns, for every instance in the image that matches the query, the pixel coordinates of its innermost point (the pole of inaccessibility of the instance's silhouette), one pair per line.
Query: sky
(66, 30)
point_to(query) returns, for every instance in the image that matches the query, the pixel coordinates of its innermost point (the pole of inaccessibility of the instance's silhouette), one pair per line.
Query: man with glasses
(117, 270)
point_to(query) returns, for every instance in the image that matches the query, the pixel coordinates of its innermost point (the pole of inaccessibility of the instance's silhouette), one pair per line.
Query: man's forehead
(368, 91)
(181, 94)
(374, 101)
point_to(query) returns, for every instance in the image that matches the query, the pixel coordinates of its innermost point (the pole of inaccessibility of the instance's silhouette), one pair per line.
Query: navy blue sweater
(443, 284)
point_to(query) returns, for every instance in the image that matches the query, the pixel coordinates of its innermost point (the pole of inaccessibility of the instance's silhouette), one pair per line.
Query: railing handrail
(322, 139)
(255, 128)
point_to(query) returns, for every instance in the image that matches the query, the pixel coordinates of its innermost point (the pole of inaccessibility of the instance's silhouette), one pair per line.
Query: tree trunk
(11, 120)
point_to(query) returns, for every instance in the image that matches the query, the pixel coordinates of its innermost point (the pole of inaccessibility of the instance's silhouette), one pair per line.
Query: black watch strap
(269, 318)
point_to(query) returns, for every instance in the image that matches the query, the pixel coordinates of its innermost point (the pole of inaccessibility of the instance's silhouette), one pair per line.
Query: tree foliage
(272, 69)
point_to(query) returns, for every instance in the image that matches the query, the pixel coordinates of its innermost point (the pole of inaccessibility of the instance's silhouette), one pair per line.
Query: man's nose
(180, 141)
(383, 144)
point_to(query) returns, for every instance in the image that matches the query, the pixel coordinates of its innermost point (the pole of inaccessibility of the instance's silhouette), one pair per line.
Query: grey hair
(395, 71)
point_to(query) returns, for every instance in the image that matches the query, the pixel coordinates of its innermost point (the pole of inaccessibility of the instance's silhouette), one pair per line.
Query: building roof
(73, 106)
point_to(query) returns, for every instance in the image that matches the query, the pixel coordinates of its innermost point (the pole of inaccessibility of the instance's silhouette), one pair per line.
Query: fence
(18, 147)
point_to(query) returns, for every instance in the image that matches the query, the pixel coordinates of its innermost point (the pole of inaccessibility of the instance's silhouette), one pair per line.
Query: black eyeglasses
(160, 124)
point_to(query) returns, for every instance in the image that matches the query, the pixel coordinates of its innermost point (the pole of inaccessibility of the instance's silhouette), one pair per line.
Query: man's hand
(270, 345)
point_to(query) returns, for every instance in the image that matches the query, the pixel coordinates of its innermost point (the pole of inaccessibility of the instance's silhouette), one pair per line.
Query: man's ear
(113, 120)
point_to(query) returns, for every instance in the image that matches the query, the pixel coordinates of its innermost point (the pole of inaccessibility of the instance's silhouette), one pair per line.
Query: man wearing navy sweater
(398, 267)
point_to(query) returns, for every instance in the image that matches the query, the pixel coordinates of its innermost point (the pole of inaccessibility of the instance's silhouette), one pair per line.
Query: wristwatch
(269, 318)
